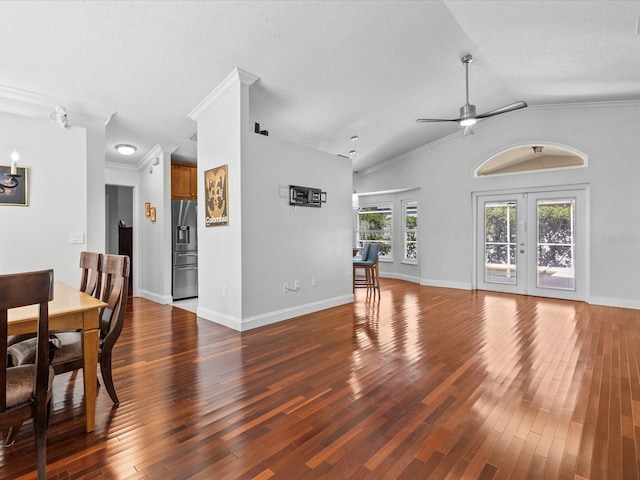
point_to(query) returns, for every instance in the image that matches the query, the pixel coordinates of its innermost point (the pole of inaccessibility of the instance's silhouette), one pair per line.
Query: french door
(533, 243)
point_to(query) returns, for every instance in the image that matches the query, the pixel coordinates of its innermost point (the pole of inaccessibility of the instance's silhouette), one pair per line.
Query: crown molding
(24, 102)
(120, 166)
(236, 76)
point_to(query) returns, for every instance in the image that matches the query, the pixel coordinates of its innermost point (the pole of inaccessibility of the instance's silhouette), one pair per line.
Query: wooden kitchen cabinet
(184, 181)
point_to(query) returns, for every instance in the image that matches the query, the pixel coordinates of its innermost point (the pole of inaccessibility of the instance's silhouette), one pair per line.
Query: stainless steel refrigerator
(185, 248)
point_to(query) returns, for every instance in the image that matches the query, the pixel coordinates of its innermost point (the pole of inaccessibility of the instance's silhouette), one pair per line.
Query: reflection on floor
(189, 304)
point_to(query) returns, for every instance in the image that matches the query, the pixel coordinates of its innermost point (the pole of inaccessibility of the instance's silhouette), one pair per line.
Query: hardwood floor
(428, 383)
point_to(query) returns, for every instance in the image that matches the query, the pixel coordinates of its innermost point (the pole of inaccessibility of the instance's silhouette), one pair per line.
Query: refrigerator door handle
(190, 267)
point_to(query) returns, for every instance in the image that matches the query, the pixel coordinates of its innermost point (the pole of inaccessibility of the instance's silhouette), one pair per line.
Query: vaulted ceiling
(328, 70)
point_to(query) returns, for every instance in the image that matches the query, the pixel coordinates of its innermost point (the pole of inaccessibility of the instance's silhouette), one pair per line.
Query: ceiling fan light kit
(468, 116)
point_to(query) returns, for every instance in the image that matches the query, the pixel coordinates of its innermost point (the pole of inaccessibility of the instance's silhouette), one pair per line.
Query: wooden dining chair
(91, 280)
(68, 352)
(21, 398)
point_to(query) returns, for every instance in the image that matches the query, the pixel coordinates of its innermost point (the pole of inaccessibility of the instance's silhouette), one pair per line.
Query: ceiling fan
(468, 116)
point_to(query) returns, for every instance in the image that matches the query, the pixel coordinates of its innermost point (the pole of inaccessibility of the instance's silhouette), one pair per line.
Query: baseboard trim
(615, 302)
(400, 276)
(437, 283)
(154, 297)
(242, 325)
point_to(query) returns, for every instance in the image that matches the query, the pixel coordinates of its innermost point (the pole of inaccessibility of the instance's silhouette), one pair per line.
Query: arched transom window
(531, 157)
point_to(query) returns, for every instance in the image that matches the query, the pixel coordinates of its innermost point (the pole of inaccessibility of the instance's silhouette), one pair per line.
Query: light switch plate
(76, 237)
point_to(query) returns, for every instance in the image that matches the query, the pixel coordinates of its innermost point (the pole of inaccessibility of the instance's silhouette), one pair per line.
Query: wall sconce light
(13, 175)
(59, 115)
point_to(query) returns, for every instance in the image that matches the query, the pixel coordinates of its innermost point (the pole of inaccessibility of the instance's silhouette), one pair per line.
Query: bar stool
(371, 273)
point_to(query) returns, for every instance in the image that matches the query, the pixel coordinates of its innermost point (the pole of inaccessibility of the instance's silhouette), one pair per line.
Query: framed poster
(216, 197)
(17, 195)
(147, 209)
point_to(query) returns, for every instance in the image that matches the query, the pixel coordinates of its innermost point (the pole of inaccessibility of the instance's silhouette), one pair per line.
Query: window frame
(410, 203)
(387, 231)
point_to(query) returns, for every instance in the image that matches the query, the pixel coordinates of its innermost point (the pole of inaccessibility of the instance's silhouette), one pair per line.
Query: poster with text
(217, 197)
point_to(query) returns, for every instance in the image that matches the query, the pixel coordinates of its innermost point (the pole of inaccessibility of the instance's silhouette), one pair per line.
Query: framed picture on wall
(152, 214)
(147, 209)
(216, 197)
(17, 195)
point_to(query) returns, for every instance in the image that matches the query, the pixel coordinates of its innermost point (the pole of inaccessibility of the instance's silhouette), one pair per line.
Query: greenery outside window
(410, 229)
(374, 226)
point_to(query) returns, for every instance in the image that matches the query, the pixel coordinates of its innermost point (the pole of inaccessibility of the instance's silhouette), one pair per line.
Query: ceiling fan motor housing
(467, 111)
(467, 115)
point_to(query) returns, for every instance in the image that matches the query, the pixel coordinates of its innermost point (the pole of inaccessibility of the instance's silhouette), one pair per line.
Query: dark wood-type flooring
(429, 383)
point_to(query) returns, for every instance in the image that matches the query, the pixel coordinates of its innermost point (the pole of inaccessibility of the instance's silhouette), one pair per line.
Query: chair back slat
(91, 280)
(116, 269)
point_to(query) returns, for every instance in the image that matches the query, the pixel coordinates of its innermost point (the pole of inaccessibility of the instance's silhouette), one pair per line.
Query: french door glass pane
(500, 230)
(556, 244)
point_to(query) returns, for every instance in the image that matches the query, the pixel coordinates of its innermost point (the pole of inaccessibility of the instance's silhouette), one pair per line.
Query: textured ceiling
(328, 70)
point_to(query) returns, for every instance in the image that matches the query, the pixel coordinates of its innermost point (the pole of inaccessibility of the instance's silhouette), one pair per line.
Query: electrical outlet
(285, 287)
(313, 281)
(296, 284)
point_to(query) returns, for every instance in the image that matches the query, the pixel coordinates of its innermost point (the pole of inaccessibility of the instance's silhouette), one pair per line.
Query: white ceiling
(328, 70)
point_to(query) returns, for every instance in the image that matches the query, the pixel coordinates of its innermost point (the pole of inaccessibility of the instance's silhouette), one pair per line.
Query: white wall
(280, 245)
(242, 266)
(443, 171)
(219, 247)
(62, 179)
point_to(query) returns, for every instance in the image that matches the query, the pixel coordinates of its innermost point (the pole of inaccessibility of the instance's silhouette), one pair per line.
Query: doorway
(533, 243)
(119, 224)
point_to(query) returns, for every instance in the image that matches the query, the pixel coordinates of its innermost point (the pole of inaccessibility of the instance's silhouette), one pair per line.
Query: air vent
(194, 137)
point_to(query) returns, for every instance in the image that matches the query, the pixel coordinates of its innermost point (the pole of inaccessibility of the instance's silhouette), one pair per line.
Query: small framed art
(17, 195)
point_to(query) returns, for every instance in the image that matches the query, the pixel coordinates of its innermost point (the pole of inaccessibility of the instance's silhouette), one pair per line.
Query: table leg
(90, 370)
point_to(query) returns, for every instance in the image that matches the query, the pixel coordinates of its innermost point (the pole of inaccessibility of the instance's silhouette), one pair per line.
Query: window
(410, 229)
(374, 226)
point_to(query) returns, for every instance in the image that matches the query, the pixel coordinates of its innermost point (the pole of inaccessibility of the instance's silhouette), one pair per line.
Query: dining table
(70, 309)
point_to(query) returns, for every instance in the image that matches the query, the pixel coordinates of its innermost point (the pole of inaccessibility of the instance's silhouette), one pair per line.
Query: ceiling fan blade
(437, 120)
(505, 109)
